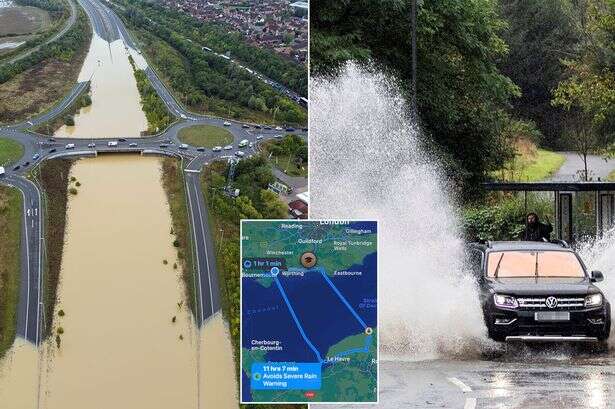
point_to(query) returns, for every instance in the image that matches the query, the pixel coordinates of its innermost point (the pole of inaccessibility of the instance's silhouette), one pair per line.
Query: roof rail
(562, 243)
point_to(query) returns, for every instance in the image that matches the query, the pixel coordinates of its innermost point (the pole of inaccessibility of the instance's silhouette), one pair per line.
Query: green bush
(504, 218)
(69, 120)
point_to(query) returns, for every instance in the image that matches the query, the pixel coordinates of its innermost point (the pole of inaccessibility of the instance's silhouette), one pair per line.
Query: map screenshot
(309, 311)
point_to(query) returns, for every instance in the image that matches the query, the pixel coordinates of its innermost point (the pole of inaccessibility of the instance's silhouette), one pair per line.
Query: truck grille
(563, 303)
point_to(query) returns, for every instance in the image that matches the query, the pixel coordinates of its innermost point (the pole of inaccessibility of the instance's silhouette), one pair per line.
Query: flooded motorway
(123, 335)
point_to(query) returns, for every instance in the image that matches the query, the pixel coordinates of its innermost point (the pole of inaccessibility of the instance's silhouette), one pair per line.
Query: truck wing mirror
(597, 276)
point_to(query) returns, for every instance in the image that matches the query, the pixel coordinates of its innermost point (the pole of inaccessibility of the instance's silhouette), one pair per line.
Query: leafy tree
(461, 94)
(540, 34)
(273, 207)
(590, 86)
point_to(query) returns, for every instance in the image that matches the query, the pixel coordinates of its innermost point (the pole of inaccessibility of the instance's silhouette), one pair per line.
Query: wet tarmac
(516, 377)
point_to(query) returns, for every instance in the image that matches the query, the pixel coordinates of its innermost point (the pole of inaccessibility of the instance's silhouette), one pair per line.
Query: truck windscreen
(533, 264)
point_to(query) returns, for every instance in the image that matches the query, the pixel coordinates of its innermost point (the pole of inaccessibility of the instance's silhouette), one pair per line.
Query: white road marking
(464, 388)
(470, 403)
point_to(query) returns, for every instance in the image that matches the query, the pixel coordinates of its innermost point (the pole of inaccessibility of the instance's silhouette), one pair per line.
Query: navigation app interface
(309, 311)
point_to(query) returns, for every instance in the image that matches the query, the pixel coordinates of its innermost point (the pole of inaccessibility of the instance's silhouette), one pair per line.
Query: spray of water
(367, 161)
(599, 254)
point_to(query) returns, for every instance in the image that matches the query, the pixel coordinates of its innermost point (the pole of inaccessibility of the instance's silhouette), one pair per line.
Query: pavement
(598, 167)
(107, 25)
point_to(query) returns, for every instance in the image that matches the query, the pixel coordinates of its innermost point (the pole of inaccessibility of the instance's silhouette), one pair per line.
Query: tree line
(205, 79)
(220, 39)
(488, 71)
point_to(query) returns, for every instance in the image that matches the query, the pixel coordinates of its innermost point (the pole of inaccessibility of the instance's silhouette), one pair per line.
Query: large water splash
(367, 162)
(599, 254)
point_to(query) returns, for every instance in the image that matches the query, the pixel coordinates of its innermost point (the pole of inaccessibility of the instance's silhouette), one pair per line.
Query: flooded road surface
(539, 378)
(115, 109)
(19, 376)
(217, 371)
(120, 347)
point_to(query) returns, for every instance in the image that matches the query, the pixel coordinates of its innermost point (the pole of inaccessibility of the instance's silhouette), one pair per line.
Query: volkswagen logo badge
(551, 302)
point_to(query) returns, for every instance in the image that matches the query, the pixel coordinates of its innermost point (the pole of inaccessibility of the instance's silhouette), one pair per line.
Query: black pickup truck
(539, 291)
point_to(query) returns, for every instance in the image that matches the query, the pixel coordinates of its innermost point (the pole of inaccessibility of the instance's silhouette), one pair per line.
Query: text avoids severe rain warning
(309, 311)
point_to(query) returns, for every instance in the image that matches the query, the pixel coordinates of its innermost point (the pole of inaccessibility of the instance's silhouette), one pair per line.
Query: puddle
(116, 109)
(19, 376)
(120, 347)
(219, 388)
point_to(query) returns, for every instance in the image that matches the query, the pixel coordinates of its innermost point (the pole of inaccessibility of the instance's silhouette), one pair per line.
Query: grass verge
(67, 117)
(54, 177)
(10, 151)
(611, 176)
(11, 216)
(175, 189)
(531, 164)
(205, 135)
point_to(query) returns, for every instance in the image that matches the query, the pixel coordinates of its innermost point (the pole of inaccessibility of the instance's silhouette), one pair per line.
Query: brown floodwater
(115, 109)
(120, 347)
(19, 376)
(218, 385)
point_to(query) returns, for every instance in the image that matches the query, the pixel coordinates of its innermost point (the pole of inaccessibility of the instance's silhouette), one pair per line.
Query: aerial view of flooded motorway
(435, 349)
(116, 292)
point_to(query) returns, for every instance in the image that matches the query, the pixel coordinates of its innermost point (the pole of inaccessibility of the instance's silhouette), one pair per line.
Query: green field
(10, 235)
(23, 20)
(10, 151)
(205, 135)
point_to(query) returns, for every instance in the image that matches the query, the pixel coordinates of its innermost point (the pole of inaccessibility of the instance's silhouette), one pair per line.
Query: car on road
(257, 127)
(227, 123)
(51, 139)
(200, 149)
(228, 147)
(183, 146)
(52, 150)
(304, 129)
(91, 145)
(70, 146)
(112, 144)
(278, 128)
(133, 144)
(2, 171)
(268, 128)
(17, 167)
(183, 116)
(36, 156)
(244, 126)
(163, 145)
(539, 291)
(26, 164)
(240, 154)
(243, 142)
(217, 148)
(278, 136)
(122, 139)
(290, 129)
(251, 144)
(259, 137)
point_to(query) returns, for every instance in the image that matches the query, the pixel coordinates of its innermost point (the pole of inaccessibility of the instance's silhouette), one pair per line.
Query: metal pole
(413, 75)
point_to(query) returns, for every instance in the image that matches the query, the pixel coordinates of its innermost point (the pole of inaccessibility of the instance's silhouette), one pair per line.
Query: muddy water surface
(19, 376)
(217, 370)
(115, 109)
(120, 347)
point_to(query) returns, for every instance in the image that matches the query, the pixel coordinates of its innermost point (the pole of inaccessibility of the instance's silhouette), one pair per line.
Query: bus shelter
(579, 208)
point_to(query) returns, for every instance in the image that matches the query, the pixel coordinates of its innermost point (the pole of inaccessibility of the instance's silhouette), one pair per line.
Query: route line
(341, 297)
(292, 312)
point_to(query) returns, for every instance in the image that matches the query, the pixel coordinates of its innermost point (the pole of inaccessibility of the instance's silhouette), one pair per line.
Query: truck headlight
(505, 301)
(593, 300)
